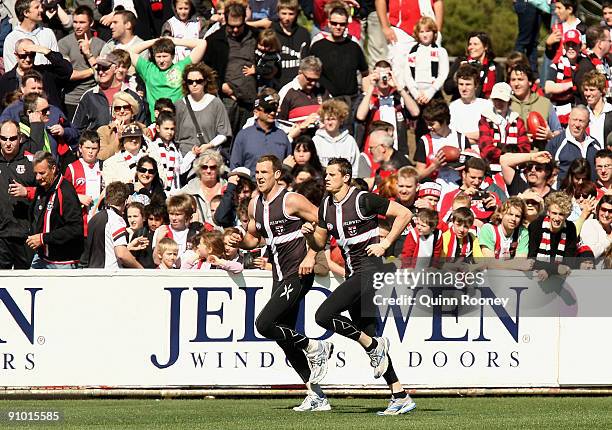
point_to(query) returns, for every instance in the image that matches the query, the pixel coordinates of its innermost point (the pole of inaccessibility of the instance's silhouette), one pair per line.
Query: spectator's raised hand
(541, 157)
(84, 46)
(107, 19)
(37, 49)
(56, 130)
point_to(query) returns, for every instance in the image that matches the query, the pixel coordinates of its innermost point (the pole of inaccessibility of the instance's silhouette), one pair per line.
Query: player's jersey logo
(352, 230)
(330, 226)
(258, 226)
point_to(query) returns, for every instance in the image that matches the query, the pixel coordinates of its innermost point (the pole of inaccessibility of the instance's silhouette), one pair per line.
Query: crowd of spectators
(130, 131)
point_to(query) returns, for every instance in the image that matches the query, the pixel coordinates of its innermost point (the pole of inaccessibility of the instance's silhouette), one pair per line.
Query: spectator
(529, 22)
(267, 66)
(304, 154)
(167, 252)
(553, 240)
(125, 109)
(565, 10)
(575, 142)
(301, 98)
(240, 188)
(423, 244)
(578, 173)
(55, 72)
(32, 83)
(185, 24)
(207, 184)
(427, 65)
(598, 46)
(17, 174)
(163, 78)
(458, 242)
(147, 184)
(30, 15)
(156, 215)
(231, 48)
(341, 57)
(534, 206)
(330, 140)
(603, 170)
(505, 237)
(57, 223)
(388, 159)
(135, 218)
(209, 126)
(584, 202)
(262, 138)
(95, 107)
(479, 52)
(560, 84)
(596, 233)
(81, 48)
(34, 119)
(465, 112)
(161, 105)
(122, 165)
(600, 111)
(527, 171)
(123, 25)
(107, 244)
(85, 175)
(174, 165)
(500, 126)
(294, 39)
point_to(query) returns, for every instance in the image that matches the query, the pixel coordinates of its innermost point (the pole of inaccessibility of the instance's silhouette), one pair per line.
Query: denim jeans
(39, 263)
(529, 21)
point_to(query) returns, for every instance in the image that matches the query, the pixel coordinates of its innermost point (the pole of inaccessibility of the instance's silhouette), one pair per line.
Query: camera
(480, 195)
(384, 77)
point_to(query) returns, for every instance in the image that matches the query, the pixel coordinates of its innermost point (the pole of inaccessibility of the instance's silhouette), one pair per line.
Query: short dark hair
(605, 152)
(569, 3)
(163, 46)
(165, 116)
(428, 216)
(525, 69)
(277, 165)
(235, 10)
(117, 193)
(31, 74)
(89, 135)
(21, 7)
(463, 215)
(476, 164)
(343, 165)
(84, 10)
(156, 210)
(437, 110)
(594, 34)
(128, 16)
(468, 72)
(164, 103)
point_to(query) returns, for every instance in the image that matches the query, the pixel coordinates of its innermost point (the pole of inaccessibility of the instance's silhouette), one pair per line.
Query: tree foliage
(496, 17)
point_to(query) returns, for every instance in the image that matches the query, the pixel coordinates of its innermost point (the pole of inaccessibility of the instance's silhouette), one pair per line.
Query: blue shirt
(253, 142)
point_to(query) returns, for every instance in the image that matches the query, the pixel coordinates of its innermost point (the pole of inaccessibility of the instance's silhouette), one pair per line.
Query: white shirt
(41, 36)
(114, 235)
(465, 117)
(596, 123)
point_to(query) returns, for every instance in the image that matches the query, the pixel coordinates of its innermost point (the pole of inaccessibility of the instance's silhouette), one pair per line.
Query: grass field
(559, 413)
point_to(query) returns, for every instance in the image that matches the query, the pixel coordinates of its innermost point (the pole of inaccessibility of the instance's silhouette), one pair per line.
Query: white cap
(501, 91)
(241, 171)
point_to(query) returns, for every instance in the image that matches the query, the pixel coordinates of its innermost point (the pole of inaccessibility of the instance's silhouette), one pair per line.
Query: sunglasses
(101, 68)
(531, 202)
(45, 111)
(582, 196)
(24, 56)
(606, 210)
(9, 138)
(120, 108)
(538, 168)
(145, 170)
(195, 81)
(207, 167)
(337, 24)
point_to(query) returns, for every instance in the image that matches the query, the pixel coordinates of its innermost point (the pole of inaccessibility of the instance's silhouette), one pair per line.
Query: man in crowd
(57, 224)
(523, 171)
(30, 16)
(122, 27)
(598, 46)
(603, 170)
(17, 174)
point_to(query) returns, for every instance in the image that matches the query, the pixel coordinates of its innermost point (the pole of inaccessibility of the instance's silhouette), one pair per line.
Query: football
(535, 120)
(451, 153)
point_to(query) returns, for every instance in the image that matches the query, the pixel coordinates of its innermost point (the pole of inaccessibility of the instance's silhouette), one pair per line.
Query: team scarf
(133, 159)
(564, 72)
(600, 67)
(456, 251)
(544, 252)
(168, 155)
(487, 75)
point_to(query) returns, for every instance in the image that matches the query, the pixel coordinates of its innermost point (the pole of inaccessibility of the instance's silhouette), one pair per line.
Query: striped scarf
(487, 75)
(511, 133)
(544, 252)
(564, 72)
(455, 251)
(168, 155)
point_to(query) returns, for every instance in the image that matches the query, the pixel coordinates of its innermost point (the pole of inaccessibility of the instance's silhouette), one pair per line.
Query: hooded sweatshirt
(343, 145)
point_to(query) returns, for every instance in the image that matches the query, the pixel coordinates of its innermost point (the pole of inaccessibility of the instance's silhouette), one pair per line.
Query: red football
(451, 153)
(535, 120)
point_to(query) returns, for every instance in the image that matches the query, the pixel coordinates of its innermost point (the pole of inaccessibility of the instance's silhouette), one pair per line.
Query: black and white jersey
(282, 233)
(354, 223)
(107, 229)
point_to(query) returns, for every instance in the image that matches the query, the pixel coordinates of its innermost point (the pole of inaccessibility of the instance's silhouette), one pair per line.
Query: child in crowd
(135, 218)
(217, 19)
(173, 164)
(185, 24)
(268, 61)
(161, 105)
(209, 251)
(459, 244)
(566, 13)
(167, 251)
(180, 228)
(126, 74)
(232, 253)
(427, 67)
(163, 78)
(329, 140)
(423, 245)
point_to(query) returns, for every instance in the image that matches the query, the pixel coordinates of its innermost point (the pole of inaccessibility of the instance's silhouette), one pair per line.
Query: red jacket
(490, 140)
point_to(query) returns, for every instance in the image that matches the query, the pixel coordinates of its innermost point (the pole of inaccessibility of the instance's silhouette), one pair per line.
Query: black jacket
(64, 239)
(294, 49)
(225, 215)
(14, 212)
(55, 76)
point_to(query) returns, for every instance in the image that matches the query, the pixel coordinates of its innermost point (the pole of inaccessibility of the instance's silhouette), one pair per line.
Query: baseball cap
(131, 130)
(572, 36)
(501, 91)
(243, 172)
(268, 103)
(107, 60)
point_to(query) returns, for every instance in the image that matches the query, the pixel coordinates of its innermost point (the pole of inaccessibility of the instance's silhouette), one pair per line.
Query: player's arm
(126, 258)
(372, 204)
(300, 206)
(251, 239)
(401, 217)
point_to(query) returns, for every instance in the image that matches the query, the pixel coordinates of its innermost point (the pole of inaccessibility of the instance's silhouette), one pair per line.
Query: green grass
(559, 413)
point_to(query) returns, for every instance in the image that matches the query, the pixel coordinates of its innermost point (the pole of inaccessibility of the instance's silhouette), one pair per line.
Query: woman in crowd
(240, 188)
(479, 51)
(211, 127)
(207, 183)
(579, 171)
(596, 232)
(124, 111)
(147, 184)
(584, 201)
(304, 153)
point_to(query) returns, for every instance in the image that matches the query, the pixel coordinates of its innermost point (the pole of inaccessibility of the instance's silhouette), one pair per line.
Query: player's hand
(307, 265)
(308, 228)
(260, 262)
(34, 241)
(234, 239)
(563, 270)
(376, 250)
(542, 275)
